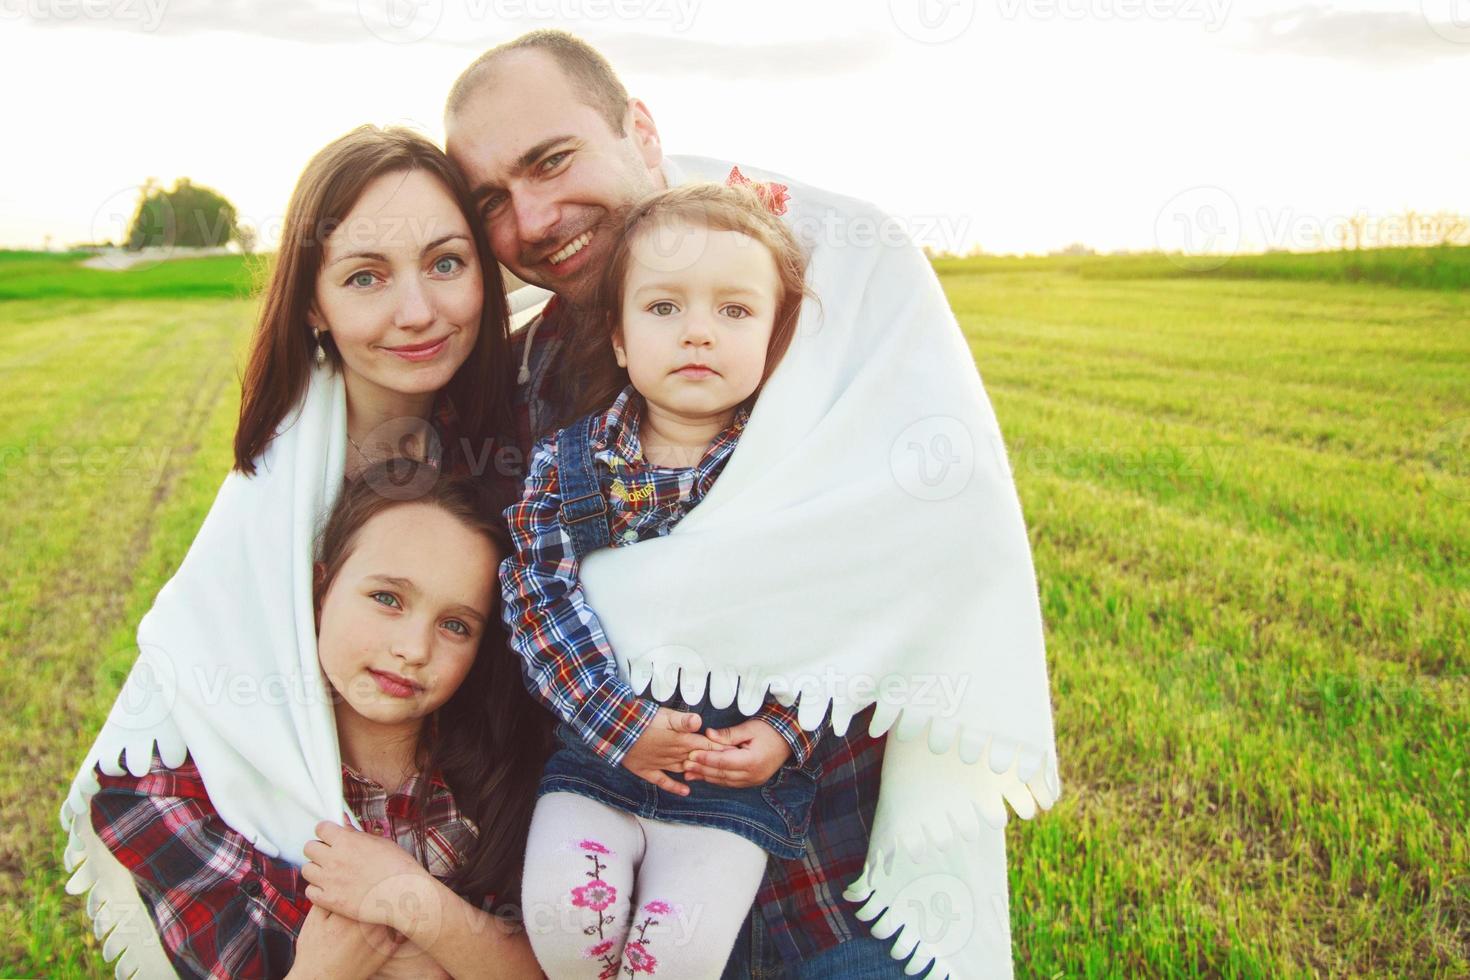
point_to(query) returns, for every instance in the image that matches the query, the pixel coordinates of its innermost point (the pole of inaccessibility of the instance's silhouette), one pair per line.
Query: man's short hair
(588, 71)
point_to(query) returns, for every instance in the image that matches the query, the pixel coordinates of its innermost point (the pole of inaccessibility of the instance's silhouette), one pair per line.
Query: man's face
(550, 177)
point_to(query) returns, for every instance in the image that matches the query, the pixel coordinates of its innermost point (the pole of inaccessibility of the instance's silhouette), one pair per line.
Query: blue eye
(353, 280)
(550, 162)
(392, 605)
(463, 629)
(456, 261)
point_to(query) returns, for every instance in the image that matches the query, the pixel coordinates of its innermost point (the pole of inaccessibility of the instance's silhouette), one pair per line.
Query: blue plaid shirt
(566, 656)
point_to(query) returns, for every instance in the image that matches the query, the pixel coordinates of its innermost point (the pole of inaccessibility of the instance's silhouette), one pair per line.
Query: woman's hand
(331, 946)
(754, 751)
(368, 878)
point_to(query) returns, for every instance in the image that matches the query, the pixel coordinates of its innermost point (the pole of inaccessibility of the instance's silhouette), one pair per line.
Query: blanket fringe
(120, 920)
(1023, 776)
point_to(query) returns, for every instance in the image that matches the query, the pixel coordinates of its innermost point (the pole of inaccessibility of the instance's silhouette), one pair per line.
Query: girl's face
(400, 287)
(696, 318)
(399, 626)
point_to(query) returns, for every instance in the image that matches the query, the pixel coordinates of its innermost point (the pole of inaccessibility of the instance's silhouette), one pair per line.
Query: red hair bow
(772, 194)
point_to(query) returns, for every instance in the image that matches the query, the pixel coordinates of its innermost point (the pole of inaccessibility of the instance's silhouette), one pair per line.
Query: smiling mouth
(570, 248)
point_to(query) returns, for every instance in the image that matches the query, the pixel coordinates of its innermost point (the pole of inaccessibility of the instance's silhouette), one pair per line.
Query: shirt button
(251, 887)
(630, 535)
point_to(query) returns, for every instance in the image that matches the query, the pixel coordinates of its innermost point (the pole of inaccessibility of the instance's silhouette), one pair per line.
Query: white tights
(609, 894)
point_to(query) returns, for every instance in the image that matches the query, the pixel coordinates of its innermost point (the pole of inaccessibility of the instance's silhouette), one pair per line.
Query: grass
(1249, 500)
(1440, 267)
(42, 275)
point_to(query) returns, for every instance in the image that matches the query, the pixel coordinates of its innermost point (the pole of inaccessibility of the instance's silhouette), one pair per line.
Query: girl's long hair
(490, 739)
(278, 368)
(592, 370)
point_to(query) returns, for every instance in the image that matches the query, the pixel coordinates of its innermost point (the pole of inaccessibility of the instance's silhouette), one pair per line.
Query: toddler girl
(629, 869)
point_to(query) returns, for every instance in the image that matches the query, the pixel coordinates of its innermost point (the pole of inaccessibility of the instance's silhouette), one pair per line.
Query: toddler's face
(401, 623)
(698, 309)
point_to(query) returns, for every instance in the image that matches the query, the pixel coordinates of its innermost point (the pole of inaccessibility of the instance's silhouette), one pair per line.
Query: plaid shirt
(800, 900)
(223, 909)
(568, 660)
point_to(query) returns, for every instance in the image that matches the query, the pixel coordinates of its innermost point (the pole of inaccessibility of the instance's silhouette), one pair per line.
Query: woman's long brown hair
(592, 370)
(279, 365)
(490, 740)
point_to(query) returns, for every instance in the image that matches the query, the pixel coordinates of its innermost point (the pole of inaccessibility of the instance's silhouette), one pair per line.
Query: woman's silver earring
(321, 352)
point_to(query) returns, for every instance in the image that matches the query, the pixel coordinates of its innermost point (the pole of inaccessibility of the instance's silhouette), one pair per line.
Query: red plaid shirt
(800, 900)
(222, 908)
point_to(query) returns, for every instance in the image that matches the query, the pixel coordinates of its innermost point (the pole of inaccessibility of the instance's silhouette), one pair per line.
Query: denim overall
(774, 816)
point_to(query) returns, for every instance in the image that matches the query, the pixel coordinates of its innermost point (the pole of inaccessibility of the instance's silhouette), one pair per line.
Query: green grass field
(1248, 490)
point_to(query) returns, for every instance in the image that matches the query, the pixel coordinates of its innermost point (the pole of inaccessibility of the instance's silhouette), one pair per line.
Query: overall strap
(584, 508)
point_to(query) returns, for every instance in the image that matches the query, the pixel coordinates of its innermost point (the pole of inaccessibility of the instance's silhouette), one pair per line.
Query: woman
(378, 337)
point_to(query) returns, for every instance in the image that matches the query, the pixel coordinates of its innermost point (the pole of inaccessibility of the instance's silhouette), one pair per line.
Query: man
(554, 150)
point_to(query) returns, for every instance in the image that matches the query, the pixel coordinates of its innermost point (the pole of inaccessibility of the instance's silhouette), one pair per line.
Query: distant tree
(189, 215)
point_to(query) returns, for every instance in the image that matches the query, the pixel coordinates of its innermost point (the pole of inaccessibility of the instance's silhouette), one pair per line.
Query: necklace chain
(368, 459)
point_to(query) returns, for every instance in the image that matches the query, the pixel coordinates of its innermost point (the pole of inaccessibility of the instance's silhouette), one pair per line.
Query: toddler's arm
(783, 720)
(566, 659)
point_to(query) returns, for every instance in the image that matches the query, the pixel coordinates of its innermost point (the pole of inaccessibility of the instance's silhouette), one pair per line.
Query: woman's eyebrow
(380, 257)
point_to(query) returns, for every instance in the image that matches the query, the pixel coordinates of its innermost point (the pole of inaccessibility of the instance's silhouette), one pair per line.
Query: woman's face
(400, 289)
(399, 626)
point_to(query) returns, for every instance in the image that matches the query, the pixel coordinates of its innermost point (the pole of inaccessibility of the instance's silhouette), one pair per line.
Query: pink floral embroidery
(596, 896)
(636, 956)
(637, 959)
(771, 194)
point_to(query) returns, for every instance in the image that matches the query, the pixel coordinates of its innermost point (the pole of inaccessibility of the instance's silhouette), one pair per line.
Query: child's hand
(665, 747)
(368, 878)
(331, 946)
(752, 753)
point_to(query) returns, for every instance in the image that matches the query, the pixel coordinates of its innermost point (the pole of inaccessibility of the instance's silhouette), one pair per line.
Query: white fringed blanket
(864, 545)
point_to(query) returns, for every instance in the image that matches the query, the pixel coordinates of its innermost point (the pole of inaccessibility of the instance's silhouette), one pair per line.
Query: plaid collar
(620, 424)
(358, 788)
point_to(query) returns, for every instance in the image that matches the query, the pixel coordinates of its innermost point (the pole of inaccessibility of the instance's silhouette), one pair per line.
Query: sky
(1004, 125)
